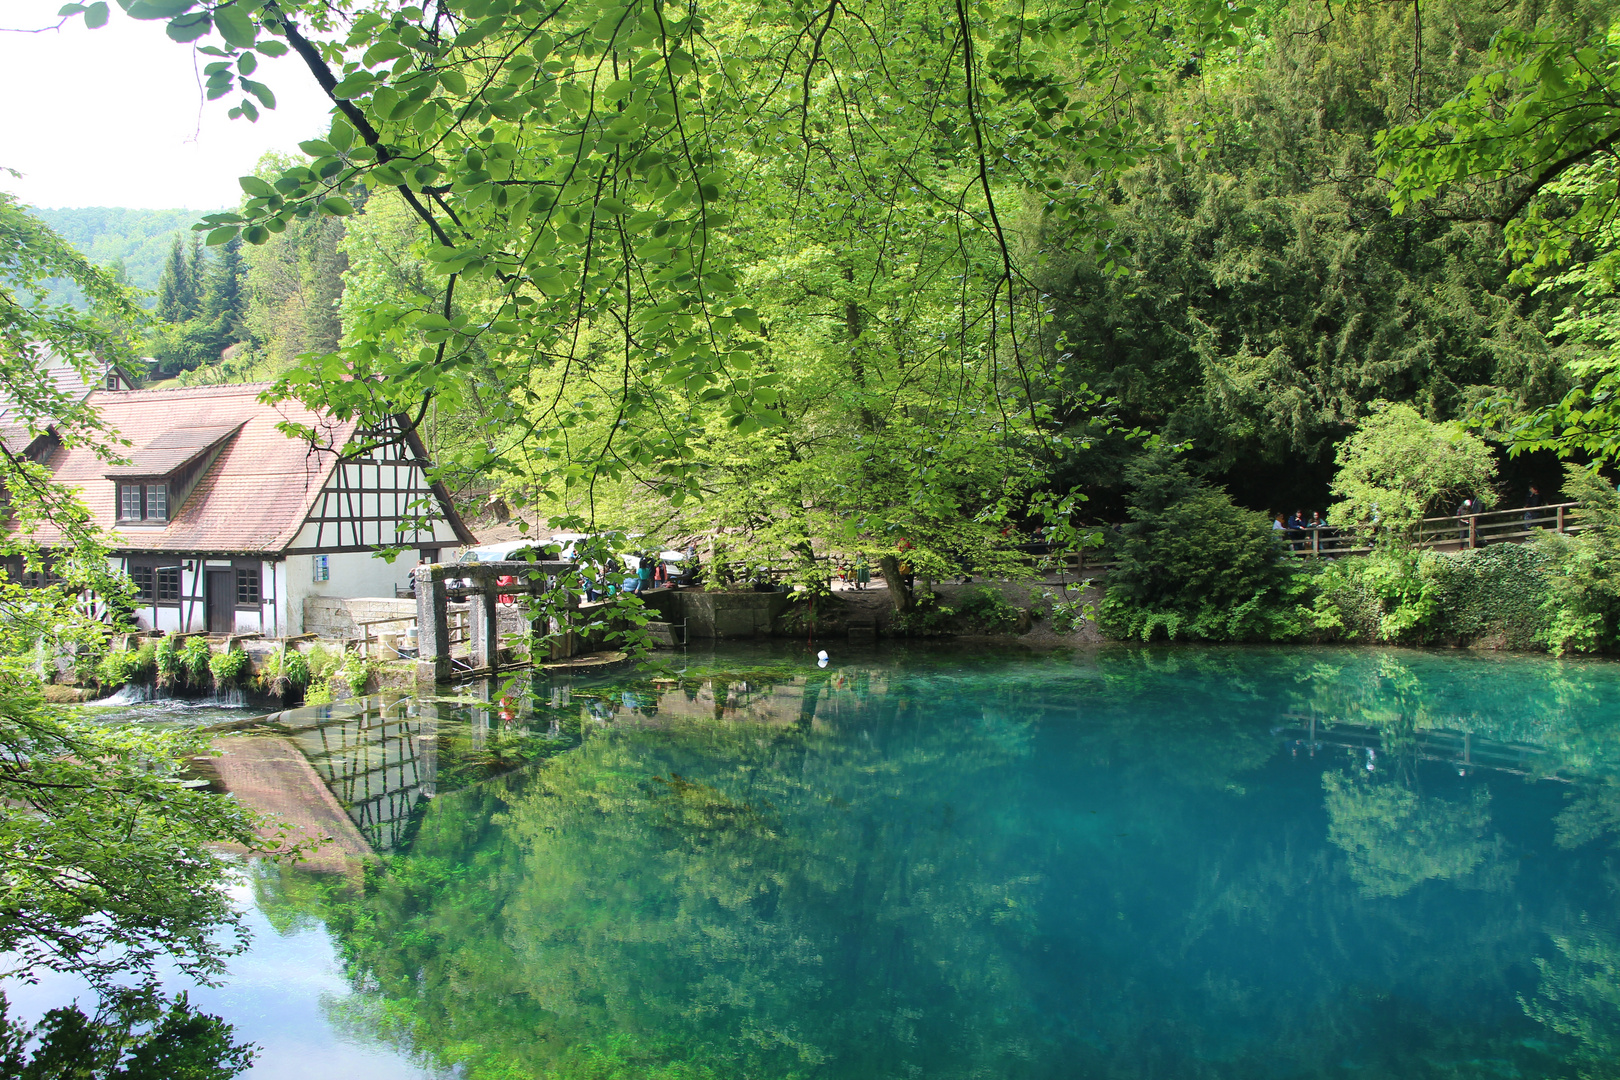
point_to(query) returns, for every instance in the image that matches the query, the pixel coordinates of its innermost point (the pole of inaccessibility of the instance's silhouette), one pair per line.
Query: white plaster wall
(354, 573)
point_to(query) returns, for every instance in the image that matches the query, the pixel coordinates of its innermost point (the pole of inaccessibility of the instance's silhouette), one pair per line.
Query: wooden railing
(1444, 533)
(1447, 533)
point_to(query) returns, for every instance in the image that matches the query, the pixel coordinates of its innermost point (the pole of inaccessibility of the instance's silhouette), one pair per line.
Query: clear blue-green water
(1128, 863)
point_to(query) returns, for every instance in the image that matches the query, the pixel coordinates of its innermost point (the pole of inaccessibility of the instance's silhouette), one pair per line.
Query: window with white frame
(143, 502)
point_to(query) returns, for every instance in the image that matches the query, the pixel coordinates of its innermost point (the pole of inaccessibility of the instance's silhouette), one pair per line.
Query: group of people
(857, 575)
(1298, 528)
(651, 572)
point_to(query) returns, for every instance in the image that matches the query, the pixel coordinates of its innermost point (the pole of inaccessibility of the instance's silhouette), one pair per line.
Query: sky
(117, 117)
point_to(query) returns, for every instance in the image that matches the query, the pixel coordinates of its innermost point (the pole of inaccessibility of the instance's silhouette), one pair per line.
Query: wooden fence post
(1560, 518)
(1473, 530)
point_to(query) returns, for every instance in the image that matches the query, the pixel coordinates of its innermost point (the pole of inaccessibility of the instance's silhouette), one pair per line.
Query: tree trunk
(889, 566)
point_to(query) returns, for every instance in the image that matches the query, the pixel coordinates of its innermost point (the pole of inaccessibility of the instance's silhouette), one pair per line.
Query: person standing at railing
(1532, 503)
(1465, 514)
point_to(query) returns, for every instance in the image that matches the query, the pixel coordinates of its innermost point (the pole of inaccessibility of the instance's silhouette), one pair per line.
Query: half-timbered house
(227, 524)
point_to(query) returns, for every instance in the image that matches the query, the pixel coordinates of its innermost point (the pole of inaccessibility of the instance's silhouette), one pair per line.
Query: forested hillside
(114, 237)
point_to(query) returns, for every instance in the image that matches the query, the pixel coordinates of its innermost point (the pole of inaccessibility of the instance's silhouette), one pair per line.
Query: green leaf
(221, 236)
(337, 207)
(271, 48)
(158, 9)
(260, 91)
(341, 137)
(188, 27)
(256, 187)
(256, 234)
(234, 26)
(356, 85)
(317, 148)
(69, 10)
(453, 81)
(95, 16)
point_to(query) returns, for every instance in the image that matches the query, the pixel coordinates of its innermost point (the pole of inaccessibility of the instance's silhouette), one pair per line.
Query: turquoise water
(1124, 864)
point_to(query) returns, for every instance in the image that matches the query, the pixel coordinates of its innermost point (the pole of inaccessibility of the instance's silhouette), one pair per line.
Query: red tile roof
(254, 496)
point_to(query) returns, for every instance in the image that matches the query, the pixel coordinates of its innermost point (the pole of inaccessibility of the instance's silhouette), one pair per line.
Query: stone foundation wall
(718, 614)
(335, 617)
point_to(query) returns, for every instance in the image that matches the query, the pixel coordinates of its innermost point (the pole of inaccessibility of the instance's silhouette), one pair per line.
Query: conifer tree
(224, 301)
(177, 291)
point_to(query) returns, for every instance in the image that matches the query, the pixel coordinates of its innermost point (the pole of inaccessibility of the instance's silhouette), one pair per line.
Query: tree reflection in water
(1120, 864)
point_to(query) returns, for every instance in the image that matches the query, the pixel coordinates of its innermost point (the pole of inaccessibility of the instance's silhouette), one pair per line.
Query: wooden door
(221, 601)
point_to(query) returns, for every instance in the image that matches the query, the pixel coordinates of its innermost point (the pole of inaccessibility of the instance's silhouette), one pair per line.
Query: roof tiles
(254, 496)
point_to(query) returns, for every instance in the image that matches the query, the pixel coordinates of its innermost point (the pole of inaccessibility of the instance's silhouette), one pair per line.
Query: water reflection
(1190, 863)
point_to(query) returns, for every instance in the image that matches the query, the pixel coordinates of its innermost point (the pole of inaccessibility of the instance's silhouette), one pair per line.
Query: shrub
(322, 662)
(167, 662)
(228, 666)
(1412, 597)
(987, 611)
(1581, 604)
(295, 667)
(356, 674)
(1397, 467)
(1192, 563)
(114, 669)
(1061, 614)
(927, 618)
(194, 661)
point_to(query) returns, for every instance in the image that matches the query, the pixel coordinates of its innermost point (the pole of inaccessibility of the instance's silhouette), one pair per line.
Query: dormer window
(143, 502)
(153, 485)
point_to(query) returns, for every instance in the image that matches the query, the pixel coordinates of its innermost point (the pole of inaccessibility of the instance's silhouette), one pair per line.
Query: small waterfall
(130, 694)
(233, 698)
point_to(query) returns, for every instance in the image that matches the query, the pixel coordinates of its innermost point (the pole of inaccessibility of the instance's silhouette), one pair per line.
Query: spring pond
(1123, 863)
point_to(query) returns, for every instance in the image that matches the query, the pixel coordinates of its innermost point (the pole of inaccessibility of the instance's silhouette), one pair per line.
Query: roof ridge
(185, 389)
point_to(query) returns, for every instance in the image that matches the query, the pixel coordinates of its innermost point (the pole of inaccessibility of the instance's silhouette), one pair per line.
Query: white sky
(117, 117)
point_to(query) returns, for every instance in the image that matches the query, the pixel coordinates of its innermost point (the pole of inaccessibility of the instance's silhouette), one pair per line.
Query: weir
(439, 583)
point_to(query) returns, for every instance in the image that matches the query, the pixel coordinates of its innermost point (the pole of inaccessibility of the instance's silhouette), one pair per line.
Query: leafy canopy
(1398, 468)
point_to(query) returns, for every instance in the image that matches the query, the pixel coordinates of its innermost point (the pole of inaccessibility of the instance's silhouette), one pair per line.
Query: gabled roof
(66, 379)
(253, 498)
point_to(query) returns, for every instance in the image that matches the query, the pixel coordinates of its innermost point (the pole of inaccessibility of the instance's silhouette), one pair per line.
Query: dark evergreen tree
(224, 299)
(177, 289)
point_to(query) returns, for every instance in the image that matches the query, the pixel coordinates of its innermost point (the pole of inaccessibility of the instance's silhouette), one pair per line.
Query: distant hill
(107, 233)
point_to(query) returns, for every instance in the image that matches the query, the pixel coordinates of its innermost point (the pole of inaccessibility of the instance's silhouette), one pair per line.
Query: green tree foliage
(178, 296)
(1528, 144)
(1583, 591)
(1398, 468)
(594, 180)
(223, 301)
(112, 236)
(109, 865)
(295, 289)
(203, 302)
(1191, 563)
(134, 1035)
(1257, 294)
